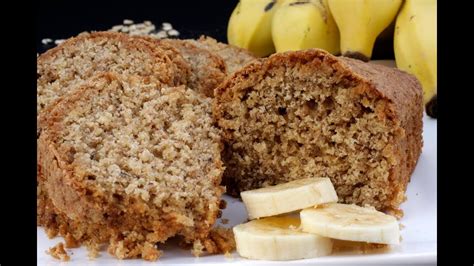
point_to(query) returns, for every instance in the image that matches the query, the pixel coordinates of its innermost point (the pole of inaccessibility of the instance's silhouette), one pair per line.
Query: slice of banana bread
(129, 163)
(207, 69)
(234, 57)
(81, 57)
(307, 113)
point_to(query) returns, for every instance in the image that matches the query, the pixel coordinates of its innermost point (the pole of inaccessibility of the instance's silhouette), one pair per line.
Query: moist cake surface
(307, 113)
(130, 164)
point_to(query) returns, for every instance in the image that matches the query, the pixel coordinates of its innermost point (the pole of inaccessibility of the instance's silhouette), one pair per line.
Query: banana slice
(278, 238)
(288, 197)
(351, 222)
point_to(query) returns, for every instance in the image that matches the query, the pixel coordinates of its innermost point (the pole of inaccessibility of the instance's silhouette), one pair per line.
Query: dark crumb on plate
(222, 204)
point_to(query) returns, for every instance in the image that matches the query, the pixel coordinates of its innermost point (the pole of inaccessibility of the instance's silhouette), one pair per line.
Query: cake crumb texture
(58, 252)
(81, 57)
(307, 113)
(129, 164)
(220, 241)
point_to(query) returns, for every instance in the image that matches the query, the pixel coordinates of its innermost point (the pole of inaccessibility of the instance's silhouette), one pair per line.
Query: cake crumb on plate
(58, 252)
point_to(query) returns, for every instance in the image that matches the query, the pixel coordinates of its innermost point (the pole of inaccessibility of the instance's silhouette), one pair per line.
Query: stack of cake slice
(128, 154)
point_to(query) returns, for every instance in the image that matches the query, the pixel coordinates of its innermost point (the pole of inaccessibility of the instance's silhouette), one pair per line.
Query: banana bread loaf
(129, 163)
(307, 113)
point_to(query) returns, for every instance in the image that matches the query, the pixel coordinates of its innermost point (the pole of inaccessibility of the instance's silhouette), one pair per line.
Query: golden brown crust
(404, 91)
(401, 93)
(207, 69)
(80, 210)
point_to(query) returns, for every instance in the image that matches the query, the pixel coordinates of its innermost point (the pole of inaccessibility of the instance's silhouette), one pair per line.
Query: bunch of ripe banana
(347, 27)
(278, 232)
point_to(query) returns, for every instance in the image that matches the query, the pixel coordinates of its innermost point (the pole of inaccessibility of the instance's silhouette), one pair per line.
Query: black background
(59, 19)
(62, 19)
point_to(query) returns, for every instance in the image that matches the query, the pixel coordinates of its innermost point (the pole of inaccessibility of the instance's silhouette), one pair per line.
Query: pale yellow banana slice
(278, 238)
(288, 197)
(351, 222)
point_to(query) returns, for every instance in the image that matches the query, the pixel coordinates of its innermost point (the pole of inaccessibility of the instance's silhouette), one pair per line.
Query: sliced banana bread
(128, 163)
(207, 69)
(79, 58)
(233, 56)
(307, 113)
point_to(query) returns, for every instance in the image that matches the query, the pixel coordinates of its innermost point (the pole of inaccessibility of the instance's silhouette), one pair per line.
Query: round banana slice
(288, 197)
(278, 238)
(351, 222)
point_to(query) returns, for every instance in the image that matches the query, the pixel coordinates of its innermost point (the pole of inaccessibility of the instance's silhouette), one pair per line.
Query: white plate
(419, 235)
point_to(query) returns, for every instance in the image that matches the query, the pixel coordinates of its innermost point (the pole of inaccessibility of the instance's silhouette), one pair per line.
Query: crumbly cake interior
(144, 144)
(297, 122)
(152, 154)
(110, 52)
